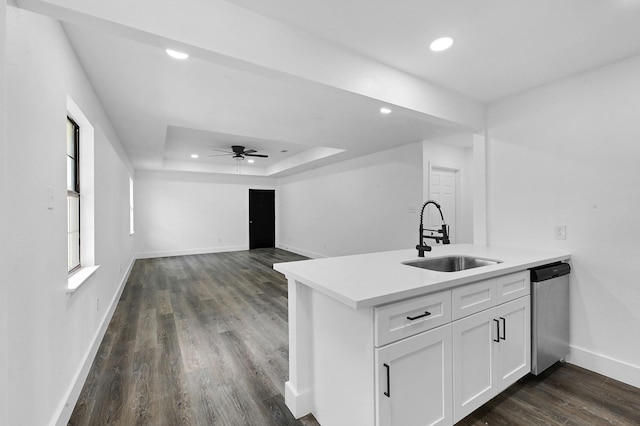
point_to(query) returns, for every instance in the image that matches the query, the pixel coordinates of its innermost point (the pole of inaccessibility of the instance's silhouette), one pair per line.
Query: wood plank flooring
(195, 340)
(563, 395)
(202, 340)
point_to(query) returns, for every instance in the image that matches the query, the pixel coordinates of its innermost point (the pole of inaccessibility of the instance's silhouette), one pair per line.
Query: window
(73, 195)
(80, 197)
(131, 228)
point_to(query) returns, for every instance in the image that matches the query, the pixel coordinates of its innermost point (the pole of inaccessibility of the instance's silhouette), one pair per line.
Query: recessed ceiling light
(251, 161)
(177, 55)
(385, 110)
(441, 44)
(194, 156)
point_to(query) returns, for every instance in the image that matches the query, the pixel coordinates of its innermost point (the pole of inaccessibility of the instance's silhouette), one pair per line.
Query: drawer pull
(426, 314)
(388, 392)
(497, 339)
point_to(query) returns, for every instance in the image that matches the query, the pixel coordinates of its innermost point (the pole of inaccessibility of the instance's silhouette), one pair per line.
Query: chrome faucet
(444, 230)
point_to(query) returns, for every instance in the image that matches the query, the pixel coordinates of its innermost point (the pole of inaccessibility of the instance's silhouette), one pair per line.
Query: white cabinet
(441, 356)
(491, 339)
(491, 350)
(413, 380)
(472, 298)
(404, 319)
(473, 362)
(514, 349)
(512, 286)
(426, 360)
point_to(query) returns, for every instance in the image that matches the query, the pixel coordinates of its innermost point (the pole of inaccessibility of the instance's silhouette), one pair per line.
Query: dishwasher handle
(547, 272)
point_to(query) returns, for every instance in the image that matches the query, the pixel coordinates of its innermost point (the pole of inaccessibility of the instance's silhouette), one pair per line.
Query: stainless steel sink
(451, 263)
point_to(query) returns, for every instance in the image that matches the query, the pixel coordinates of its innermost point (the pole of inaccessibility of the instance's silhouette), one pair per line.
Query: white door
(514, 356)
(413, 380)
(474, 346)
(442, 189)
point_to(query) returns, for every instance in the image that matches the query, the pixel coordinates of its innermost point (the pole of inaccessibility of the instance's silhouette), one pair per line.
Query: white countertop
(378, 278)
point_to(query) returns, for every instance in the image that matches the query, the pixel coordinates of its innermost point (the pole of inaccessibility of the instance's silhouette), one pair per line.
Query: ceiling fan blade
(250, 151)
(221, 155)
(256, 155)
(221, 150)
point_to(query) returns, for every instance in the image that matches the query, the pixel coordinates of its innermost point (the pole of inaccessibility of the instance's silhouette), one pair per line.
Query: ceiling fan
(238, 152)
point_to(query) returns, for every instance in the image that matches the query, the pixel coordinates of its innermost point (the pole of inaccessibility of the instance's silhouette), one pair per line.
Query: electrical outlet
(560, 232)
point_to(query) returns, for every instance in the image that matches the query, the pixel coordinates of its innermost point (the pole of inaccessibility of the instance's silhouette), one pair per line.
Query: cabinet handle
(426, 314)
(504, 329)
(388, 392)
(497, 339)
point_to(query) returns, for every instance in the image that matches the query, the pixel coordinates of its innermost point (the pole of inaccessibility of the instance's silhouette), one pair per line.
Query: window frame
(132, 229)
(75, 193)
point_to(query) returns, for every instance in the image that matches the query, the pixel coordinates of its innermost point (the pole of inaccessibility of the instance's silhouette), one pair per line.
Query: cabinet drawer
(403, 319)
(513, 286)
(472, 298)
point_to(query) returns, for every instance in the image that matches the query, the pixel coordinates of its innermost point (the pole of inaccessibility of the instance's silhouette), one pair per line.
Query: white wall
(4, 283)
(361, 205)
(356, 206)
(450, 153)
(52, 335)
(179, 213)
(568, 154)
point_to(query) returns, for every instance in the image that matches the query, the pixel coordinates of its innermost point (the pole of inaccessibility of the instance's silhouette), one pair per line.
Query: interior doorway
(443, 190)
(262, 218)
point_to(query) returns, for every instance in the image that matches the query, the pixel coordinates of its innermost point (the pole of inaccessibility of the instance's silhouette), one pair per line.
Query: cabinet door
(514, 354)
(474, 346)
(413, 380)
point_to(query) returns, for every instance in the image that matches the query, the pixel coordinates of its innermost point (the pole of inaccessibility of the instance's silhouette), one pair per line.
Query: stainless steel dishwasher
(549, 315)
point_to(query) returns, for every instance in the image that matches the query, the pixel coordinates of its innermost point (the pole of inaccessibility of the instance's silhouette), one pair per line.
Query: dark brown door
(262, 218)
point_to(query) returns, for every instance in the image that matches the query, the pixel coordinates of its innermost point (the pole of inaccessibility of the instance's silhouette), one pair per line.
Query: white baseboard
(301, 252)
(605, 365)
(300, 404)
(186, 252)
(64, 412)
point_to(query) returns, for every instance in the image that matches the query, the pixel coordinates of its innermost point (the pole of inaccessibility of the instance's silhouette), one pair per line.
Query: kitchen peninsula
(375, 341)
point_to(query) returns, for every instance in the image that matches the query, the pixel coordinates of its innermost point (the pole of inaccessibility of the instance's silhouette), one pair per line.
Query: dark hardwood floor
(195, 340)
(562, 395)
(202, 340)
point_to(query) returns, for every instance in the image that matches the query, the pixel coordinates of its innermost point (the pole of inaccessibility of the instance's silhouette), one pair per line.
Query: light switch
(51, 198)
